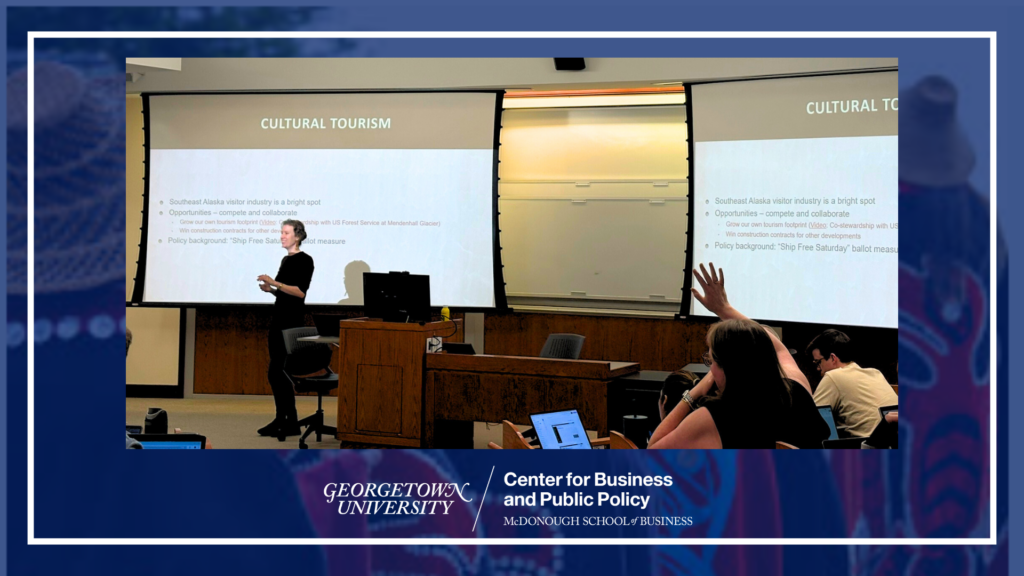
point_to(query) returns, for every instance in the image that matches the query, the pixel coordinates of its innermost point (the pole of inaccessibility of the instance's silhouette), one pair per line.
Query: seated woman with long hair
(764, 397)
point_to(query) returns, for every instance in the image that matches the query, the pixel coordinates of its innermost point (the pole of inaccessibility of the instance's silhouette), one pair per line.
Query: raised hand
(713, 284)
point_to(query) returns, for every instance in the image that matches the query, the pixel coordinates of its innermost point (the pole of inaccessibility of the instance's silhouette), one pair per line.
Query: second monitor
(397, 296)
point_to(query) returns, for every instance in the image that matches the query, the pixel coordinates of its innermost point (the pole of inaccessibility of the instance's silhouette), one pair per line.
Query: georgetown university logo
(395, 498)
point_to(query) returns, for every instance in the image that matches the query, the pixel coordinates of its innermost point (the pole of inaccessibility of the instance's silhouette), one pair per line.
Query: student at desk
(764, 398)
(854, 393)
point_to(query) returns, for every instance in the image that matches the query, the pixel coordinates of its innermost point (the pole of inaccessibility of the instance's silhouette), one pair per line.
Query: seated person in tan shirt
(854, 393)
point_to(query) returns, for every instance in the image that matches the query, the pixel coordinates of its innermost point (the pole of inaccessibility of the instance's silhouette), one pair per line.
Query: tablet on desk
(170, 441)
(560, 430)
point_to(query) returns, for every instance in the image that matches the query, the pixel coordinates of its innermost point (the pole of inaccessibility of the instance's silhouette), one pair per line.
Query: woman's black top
(759, 426)
(289, 311)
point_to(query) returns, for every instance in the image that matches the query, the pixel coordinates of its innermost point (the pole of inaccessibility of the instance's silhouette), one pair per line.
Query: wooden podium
(380, 380)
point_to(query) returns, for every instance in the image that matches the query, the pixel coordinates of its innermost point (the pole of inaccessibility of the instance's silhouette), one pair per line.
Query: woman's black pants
(284, 394)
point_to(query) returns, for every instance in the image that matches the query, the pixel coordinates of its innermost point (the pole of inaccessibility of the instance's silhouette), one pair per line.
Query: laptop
(826, 415)
(886, 434)
(854, 443)
(884, 410)
(170, 441)
(560, 430)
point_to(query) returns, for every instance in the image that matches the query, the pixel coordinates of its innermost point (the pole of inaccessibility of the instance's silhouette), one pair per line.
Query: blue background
(85, 489)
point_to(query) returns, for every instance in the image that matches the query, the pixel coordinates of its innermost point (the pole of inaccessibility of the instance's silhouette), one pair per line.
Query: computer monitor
(170, 441)
(397, 296)
(826, 415)
(560, 430)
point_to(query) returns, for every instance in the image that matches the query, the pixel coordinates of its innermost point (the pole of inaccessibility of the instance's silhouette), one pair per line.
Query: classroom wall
(434, 73)
(154, 356)
(594, 205)
(232, 354)
(657, 344)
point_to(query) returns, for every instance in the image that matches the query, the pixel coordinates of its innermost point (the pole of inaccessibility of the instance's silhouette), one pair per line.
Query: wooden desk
(494, 388)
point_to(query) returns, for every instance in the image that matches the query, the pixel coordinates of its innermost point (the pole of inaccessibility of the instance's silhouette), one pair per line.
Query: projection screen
(796, 196)
(382, 181)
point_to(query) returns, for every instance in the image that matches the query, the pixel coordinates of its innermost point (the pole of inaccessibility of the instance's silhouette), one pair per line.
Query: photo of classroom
(534, 253)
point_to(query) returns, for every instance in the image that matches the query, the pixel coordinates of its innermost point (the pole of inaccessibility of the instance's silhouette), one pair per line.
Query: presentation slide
(382, 182)
(795, 195)
(561, 431)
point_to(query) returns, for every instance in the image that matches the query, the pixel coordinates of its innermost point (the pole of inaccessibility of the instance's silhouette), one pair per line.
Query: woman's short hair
(298, 227)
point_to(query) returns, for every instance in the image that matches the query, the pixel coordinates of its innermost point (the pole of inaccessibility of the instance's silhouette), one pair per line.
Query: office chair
(563, 346)
(308, 358)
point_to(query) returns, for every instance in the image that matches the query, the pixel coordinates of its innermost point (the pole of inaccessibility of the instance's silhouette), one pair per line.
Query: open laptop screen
(826, 415)
(560, 431)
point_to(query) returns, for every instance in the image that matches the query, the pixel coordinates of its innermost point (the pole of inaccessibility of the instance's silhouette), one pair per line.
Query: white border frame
(992, 540)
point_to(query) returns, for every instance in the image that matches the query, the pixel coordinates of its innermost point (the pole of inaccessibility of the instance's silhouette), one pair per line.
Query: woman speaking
(289, 289)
